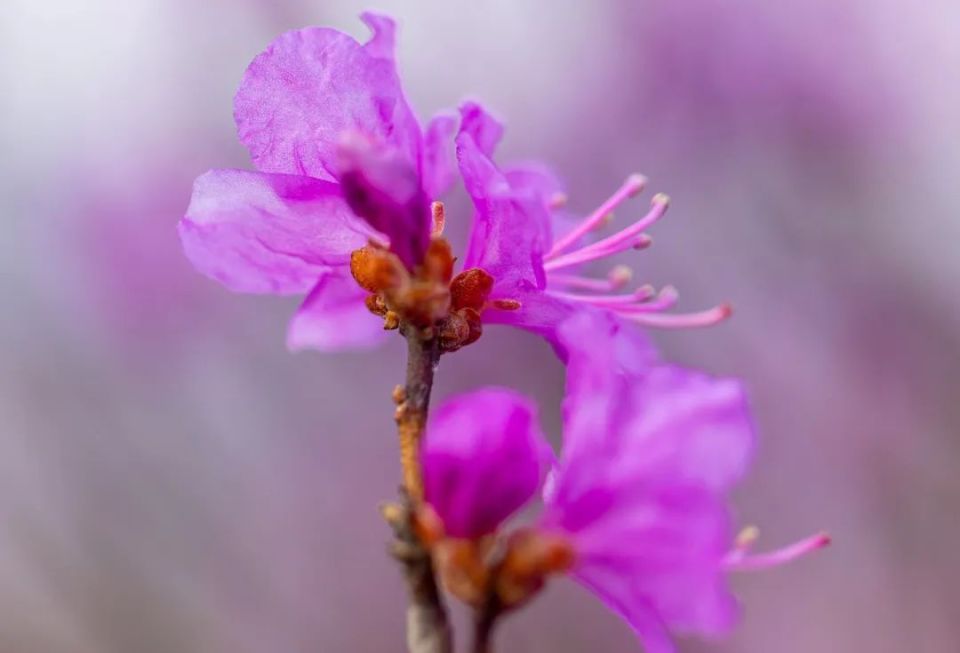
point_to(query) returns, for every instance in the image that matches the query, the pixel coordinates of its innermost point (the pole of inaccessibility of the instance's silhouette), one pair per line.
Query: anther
(506, 304)
(620, 276)
(557, 200)
(664, 299)
(747, 537)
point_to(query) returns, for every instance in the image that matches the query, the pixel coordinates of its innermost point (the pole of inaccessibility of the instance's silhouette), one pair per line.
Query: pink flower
(636, 508)
(340, 159)
(534, 250)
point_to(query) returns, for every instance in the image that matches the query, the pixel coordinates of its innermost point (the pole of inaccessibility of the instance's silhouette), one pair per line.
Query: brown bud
(454, 331)
(530, 558)
(460, 565)
(421, 303)
(427, 525)
(375, 305)
(470, 289)
(472, 319)
(391, 321)
(437, 263)
(376, 269)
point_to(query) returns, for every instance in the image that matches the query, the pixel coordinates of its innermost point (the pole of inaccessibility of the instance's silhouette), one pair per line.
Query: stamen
(618, 278)
(642, 293)
(631, 236)
(736, 560)
(665, 299)
(633, 185)
(705, 318)
(439, 215)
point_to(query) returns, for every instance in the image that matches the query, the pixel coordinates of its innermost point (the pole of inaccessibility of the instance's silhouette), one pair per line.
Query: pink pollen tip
(557, 200)
(620, 276)
(661, 198)
(634, 184)
(643, 241)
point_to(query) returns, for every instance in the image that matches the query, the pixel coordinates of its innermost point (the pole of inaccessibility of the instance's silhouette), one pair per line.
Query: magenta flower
(457, 471)
(340, 159)
(636, 508)
(534, 250)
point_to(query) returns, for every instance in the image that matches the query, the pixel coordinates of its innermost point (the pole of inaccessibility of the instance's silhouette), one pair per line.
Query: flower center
(429, 297)
(643, 305)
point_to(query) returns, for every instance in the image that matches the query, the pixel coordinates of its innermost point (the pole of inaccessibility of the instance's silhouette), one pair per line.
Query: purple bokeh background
(172, 479)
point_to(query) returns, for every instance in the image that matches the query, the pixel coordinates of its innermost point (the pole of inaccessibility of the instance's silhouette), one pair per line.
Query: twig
(413, 404)
(428, 628)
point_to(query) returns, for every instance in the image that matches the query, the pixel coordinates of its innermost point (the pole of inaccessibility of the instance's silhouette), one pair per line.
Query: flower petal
(334, 317)
(538, 313)
(540, 179)
(657, 555)
(649, 453)
(310, 86)
(510, 227)
(485, 130)
(382, 188)
(439, 169)
(642, 617)
(483, 457)
(266, 233)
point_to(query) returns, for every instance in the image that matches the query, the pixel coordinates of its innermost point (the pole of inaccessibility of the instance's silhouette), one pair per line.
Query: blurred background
(173, 480)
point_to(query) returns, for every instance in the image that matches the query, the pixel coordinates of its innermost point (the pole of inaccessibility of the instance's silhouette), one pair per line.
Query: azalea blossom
(535, 250)
(341, 162)
(636, 507)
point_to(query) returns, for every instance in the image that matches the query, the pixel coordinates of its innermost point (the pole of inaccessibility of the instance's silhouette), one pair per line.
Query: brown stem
(485, 618)
(413, 406)
(428, 629)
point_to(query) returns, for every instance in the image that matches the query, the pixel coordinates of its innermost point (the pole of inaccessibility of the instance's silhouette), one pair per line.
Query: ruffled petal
(649, 453)
(439, 169)
(383, 40)
(267, 233)
(693, 428)
(648, 549)
(485, 130)
(536, 177)
(510, 227)
(382, 188)
(657, 547)
(484, 456)
(310, 86)
(334, 317)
